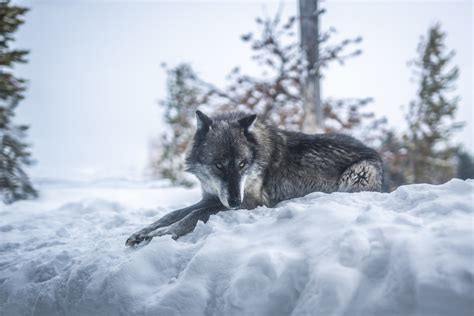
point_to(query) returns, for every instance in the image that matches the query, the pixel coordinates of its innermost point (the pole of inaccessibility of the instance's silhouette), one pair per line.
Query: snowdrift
(410, 252)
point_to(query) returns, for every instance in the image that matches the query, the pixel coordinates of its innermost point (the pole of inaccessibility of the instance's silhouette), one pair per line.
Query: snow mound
(410, 252)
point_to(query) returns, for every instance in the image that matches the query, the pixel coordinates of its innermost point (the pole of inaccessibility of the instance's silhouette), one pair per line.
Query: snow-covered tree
(179, 106)
(431, 116)
(465, 165)
(14, 151)
(395, 160)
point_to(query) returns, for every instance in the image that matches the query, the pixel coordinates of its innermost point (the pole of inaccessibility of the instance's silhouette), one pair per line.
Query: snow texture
(410, 252)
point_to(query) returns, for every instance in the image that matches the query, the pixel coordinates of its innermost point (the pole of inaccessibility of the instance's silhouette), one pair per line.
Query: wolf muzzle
(235, 202)
(234, 197)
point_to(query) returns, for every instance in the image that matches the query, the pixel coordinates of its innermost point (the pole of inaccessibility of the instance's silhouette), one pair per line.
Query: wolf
(243, 162)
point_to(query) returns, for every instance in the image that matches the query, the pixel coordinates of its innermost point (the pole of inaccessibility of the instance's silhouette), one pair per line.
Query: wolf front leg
(145, 234)
(188, 223)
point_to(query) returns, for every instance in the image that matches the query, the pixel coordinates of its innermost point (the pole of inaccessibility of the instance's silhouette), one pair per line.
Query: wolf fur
(242, 162)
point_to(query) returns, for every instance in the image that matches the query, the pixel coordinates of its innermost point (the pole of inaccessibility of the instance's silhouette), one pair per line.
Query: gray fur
(235, 152)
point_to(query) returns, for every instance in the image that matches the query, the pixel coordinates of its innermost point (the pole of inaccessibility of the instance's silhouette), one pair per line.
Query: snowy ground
(410, 252)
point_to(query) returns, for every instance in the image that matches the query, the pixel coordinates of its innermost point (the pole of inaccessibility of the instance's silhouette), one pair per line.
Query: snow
(410, 252)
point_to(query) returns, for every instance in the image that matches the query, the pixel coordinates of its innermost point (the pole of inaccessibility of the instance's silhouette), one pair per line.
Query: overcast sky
(95, 78)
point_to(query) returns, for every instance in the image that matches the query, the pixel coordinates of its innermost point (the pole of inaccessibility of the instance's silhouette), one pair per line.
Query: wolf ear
(247, 122)
(203, 121)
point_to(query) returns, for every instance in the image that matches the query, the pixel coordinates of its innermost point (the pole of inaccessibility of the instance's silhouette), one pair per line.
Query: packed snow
(410, 252)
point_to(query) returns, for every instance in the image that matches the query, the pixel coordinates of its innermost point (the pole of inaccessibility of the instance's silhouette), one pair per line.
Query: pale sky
(95, 77)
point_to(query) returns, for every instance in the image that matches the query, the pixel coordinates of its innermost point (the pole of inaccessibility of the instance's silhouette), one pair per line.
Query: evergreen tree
(431, 116)
(14, 153)
(465, 165)
(179, 107)
(395, 163)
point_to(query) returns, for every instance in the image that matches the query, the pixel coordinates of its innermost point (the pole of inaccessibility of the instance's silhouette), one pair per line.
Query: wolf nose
(234, 203)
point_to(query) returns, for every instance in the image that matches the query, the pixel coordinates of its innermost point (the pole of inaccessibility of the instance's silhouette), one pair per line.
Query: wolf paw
(165, 231)
(136, 239)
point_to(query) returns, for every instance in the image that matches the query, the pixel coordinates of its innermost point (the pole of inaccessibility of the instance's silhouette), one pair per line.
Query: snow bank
(410, 252)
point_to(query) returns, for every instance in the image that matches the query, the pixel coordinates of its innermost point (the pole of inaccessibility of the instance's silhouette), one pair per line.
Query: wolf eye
(242, 164)
(218, 165)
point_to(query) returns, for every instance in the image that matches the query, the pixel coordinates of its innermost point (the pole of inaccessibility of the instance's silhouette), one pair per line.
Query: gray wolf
(242, 162)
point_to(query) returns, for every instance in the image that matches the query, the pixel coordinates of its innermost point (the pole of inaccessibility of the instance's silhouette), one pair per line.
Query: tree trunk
(309, 32)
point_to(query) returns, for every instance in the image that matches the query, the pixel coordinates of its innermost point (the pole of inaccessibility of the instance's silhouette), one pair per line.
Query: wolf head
(223, 155)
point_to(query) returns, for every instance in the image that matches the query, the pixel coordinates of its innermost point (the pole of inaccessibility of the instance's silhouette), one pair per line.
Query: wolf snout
(136, 239)
(234, 203)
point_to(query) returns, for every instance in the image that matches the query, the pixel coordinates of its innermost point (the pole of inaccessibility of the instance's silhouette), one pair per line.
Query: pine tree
(179, 107)
(395, 162)
(465, 165)
(14, 153)
(431, 116)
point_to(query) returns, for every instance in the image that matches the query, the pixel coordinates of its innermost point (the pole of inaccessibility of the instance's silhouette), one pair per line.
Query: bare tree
(275, 95)
(313, 120)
